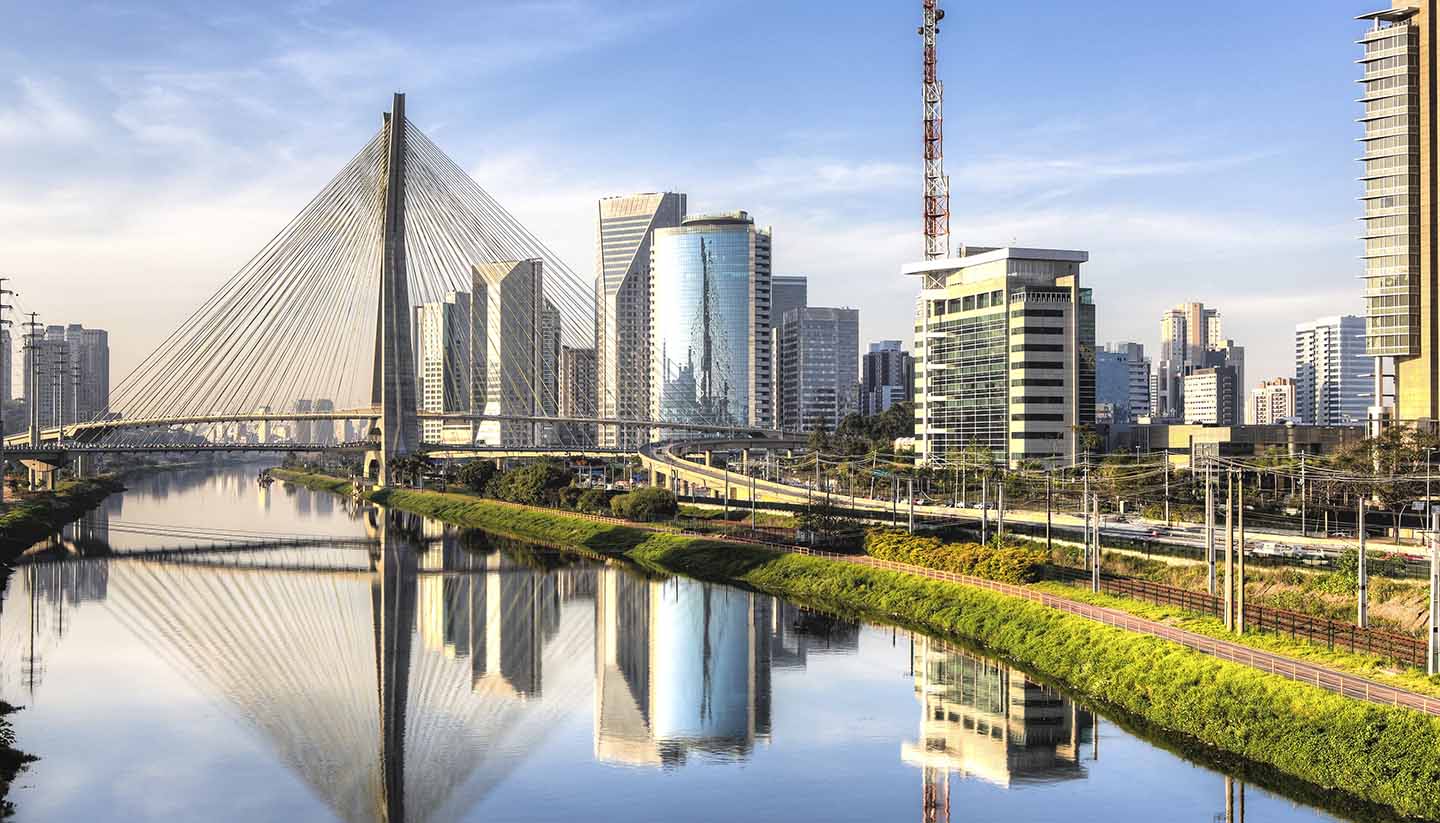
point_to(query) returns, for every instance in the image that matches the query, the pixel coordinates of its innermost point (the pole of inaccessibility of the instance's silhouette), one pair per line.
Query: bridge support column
(83, 465)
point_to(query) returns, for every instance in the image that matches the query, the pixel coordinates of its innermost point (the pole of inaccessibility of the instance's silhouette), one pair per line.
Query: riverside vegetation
(1384, 755)
(37, 514)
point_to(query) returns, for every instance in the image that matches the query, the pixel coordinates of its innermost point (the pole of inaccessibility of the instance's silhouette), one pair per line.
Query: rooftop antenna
(937, 185)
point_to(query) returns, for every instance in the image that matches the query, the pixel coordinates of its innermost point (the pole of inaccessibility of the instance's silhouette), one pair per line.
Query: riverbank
(29, 518)
(1381, 754)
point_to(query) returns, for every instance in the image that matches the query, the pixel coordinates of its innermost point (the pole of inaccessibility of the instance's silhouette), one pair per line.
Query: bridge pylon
(393, 390)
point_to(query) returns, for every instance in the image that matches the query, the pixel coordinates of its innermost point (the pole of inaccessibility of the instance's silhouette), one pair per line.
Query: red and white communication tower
(937, 185)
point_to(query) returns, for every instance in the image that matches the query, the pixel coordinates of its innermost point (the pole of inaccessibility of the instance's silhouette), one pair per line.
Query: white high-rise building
(518, 343)
(1331, 388)
(446, 369)
(1273, 401)
(623, 233)
(1004, 355)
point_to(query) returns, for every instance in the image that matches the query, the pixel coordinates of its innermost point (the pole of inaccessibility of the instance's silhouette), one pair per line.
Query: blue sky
(1197, 151)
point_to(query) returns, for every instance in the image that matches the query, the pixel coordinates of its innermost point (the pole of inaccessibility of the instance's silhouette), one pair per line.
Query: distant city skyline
(150, 153)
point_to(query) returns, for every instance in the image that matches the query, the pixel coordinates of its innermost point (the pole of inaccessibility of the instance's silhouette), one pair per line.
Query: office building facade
(1004, 355)
(1331, 388)
(887, 377)
(67, 374)
(623, 233)
(818, 357)
(1122, 381)
(577, 395)
(710, 357)
(1400, 185)
(1187, 333)
(446, 369)
(1272, 402)
(518, 343)
(1212, 396)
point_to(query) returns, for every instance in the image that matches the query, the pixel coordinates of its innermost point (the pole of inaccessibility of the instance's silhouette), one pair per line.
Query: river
(176, 664)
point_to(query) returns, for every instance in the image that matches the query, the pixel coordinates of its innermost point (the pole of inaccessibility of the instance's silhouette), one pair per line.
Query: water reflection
(408, 674)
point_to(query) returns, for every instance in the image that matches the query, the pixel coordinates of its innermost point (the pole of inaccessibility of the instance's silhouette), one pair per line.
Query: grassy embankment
(1380, 754)
(33, 516)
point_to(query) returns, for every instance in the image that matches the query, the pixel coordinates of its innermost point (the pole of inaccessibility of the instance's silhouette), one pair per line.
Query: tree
(533, 485)
(645, 505)
(477, 474)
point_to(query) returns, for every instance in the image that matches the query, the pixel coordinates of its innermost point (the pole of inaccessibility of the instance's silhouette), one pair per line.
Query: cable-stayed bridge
(402, 304)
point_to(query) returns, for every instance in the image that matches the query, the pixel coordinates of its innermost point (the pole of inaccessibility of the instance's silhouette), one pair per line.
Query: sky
(1197, 151)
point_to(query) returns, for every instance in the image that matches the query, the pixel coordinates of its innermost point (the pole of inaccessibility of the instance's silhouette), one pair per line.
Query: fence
(1332, 633)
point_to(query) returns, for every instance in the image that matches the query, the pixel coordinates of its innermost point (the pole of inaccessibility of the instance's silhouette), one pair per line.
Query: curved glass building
(710, 304)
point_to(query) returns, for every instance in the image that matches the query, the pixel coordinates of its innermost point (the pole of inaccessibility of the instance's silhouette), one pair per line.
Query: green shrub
(645, 505)
(1008, 564)
(594, 501)
(569, 497)
(477, 474)
(534, 485)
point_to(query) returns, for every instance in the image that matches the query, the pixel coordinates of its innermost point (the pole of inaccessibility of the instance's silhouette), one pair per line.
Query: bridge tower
(393, 390)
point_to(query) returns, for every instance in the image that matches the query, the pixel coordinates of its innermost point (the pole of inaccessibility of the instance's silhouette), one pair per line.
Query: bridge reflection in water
(406, 680)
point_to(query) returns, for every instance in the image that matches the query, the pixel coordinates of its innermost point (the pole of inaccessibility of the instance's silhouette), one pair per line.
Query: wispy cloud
(41, 115)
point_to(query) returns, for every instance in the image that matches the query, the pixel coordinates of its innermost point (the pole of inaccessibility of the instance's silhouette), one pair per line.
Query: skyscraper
(888, 377)
(1004, 354)
(577, 395)
(446, 369)
(787, 291)
(1402, 317)
(1122, 381)
(67, 375)
(1330, 367)
(818, 359)
(1187, 332)
(623, 233)
(710, 296)
(519, 347)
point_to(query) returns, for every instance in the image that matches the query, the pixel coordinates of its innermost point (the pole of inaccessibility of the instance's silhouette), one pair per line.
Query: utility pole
(1049, 545)
(4, 324)
(1210, 528)
(754, 505)
(727, 491)
(1303, 532)
(912, 505)
(32, 351)
(1085, 511)
(1000, 507)
(1240, 582)
(1230, 549)
(984, 509)
(1095, 565)
(1165, 467)
(1362, 612)
(61, 372)
(1433, 658)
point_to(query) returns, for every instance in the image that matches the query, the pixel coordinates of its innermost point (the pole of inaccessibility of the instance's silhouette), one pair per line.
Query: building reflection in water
(405, 681)
(683, 666)
(984, 720)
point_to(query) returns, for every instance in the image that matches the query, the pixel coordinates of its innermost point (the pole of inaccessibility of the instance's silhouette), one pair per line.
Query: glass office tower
(710, 304)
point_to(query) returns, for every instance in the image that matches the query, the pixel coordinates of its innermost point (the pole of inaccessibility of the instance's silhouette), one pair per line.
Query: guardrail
(1333, 633)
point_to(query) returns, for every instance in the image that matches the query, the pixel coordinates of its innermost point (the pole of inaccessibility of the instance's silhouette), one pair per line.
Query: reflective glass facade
(710, 309)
